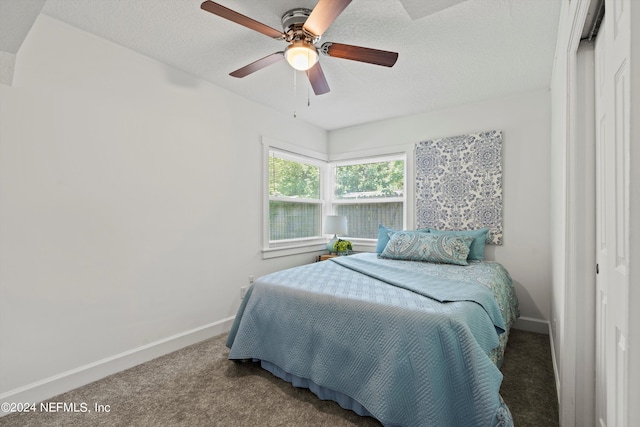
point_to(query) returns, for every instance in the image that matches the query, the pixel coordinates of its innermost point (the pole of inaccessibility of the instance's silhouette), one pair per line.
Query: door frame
(577, 391)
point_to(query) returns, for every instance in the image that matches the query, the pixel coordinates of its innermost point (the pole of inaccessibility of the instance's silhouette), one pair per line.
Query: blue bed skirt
(323, 393)
(503, 415)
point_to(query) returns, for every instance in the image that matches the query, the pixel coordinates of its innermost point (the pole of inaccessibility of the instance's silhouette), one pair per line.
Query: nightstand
(326, 257)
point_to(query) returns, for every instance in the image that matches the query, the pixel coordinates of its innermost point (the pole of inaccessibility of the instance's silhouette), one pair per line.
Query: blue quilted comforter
(410, 342)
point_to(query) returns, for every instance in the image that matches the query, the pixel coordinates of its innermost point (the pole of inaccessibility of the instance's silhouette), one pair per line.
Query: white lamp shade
(335, 224)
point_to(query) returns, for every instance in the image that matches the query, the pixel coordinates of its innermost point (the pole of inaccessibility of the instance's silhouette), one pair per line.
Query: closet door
(612, 214)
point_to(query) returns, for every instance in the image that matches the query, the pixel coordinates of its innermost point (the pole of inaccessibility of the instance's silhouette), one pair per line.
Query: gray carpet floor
(199, 386)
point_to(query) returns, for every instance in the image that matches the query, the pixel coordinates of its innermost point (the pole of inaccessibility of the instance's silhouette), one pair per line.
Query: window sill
(363, 245)
(268, 253)
(359, 245)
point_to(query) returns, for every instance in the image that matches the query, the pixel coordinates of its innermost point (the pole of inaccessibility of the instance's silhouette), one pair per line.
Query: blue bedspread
(439, 288)
(410, 360)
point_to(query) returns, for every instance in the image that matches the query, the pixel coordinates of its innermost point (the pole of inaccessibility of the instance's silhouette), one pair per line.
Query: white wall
(524, 120)
(130, 211)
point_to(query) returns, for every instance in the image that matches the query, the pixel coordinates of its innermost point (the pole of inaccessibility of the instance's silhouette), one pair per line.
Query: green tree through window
(382, 179)
(293, 179)
(369, 194)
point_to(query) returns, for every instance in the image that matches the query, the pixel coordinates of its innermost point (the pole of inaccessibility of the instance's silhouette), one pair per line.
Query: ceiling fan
(302, 29)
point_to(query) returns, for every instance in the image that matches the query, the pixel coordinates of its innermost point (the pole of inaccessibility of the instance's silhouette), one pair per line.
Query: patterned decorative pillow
(385, 233)
(476, 250)
(438, 248)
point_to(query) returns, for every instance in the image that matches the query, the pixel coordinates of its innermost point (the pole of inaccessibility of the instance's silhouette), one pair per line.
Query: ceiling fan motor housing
(292, 22)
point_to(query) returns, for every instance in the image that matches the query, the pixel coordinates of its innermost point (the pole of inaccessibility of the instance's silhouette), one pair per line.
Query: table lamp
(335, 224)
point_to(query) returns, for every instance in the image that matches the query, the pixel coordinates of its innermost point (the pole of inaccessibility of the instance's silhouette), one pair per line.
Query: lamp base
(331, 245)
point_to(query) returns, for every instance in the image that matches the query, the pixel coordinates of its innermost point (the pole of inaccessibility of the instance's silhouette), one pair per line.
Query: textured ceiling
(451, 52)
(16, 19)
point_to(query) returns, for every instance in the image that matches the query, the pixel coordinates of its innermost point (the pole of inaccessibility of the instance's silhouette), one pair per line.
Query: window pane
(290, 220)
(370, 180)
(293, 179)
(365, 218)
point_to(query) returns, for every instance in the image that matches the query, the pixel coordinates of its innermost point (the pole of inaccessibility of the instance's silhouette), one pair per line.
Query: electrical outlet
(251, 279)
(243, 291)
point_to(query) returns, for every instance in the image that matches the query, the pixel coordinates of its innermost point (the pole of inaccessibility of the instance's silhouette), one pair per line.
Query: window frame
(405, 152)
(364, 244)
(272, 249)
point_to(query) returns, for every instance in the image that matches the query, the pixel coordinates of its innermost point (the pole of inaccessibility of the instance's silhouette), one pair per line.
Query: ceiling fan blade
(258, 65)
(238, 18)
(323, 15)
(317, 79)
(358, 53)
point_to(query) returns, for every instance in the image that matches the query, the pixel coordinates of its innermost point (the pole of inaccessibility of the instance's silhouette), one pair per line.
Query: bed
(408, 343)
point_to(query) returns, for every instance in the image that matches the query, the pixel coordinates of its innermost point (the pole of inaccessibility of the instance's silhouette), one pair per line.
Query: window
(301, 187)
(295, 202)
(370, 192)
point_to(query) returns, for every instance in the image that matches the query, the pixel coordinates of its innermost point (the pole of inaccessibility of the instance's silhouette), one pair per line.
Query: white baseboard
(69, 380)
(532, 325)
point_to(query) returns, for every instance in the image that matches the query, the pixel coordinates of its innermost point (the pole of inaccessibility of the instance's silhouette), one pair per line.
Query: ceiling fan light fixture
(301, 55)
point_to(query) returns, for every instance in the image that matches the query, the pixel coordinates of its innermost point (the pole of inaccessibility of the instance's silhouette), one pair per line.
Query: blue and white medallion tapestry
(459, 183)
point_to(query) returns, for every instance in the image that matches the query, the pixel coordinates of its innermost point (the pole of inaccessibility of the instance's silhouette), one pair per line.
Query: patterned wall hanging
(459, 183)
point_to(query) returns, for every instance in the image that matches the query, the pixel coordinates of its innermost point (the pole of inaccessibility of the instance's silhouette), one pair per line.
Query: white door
(612, 213)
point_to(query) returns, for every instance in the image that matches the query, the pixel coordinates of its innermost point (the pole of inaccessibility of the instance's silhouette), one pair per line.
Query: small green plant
(343, 246)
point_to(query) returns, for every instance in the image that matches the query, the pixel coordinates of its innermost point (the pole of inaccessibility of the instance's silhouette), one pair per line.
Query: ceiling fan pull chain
(295, 85)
